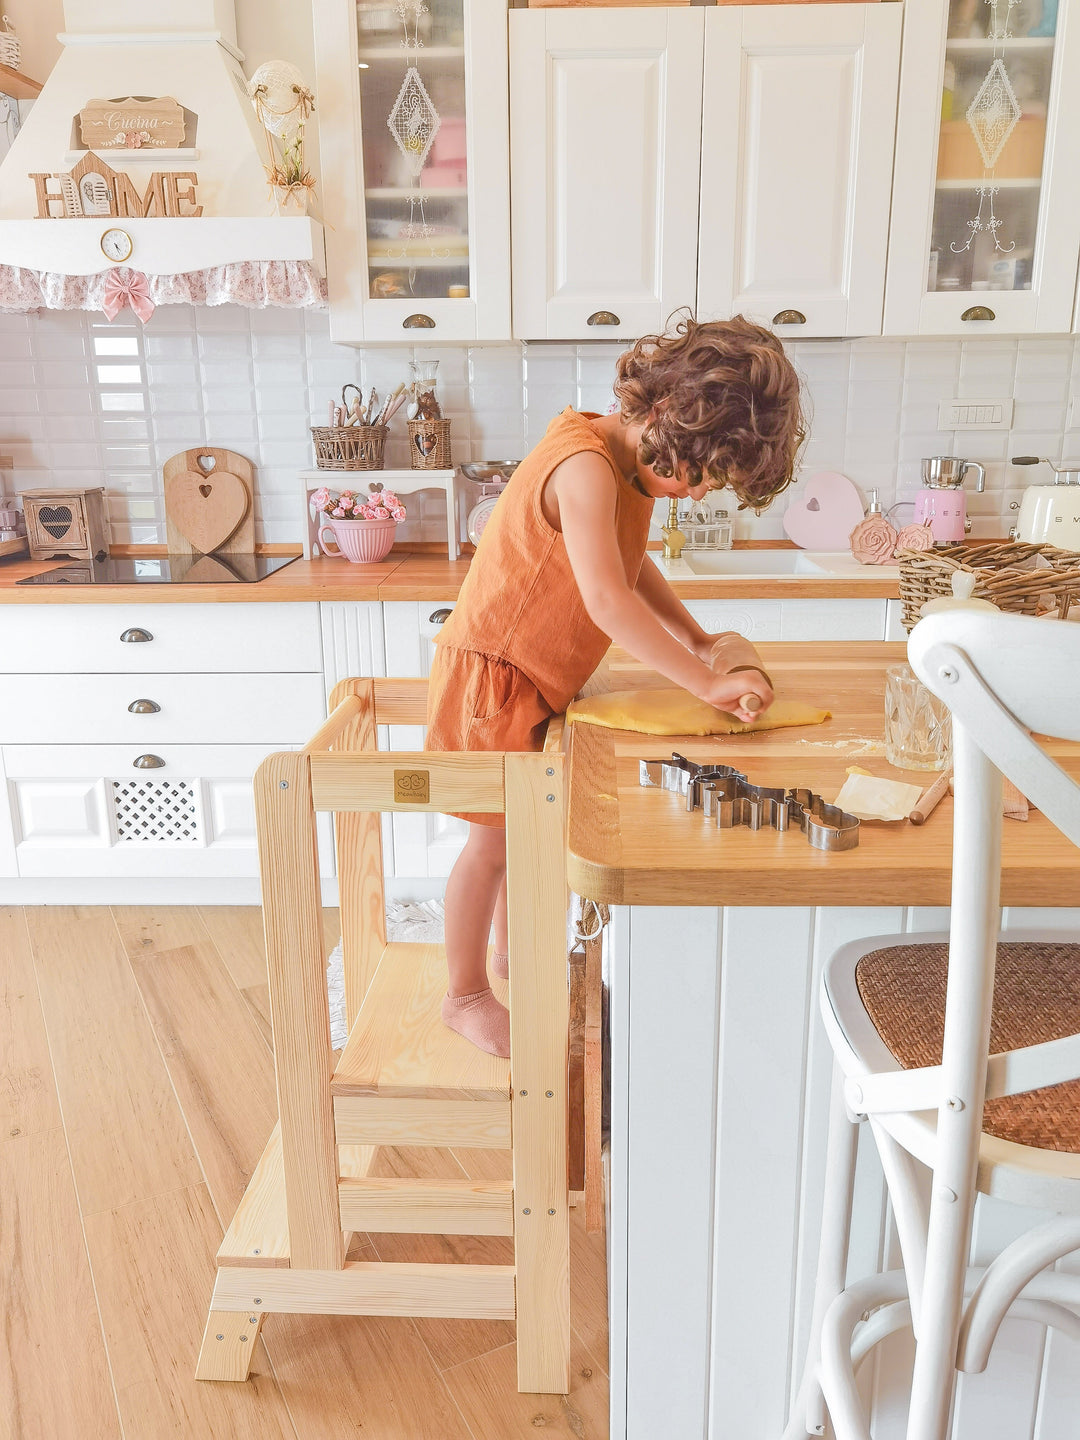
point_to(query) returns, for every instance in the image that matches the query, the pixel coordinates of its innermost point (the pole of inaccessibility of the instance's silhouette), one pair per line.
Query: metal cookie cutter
(726, 797)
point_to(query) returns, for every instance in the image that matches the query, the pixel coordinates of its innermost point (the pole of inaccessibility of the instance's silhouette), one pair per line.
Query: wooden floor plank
(125, 1132)
(486, 1394)
(153, 1265)
(28, 1102)
(216, 1057)
(54, 1376)
(588, 1287)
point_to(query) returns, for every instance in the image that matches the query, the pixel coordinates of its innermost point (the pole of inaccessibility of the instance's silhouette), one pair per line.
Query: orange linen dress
(519, 644)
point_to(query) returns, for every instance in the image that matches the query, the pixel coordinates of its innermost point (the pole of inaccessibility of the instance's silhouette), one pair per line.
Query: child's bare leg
(471, 893)
(500, 958)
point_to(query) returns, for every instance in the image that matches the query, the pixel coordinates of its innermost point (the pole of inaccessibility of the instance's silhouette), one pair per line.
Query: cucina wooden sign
(137, 122)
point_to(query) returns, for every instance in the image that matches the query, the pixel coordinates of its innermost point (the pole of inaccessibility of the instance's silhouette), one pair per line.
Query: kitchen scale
(239, 569)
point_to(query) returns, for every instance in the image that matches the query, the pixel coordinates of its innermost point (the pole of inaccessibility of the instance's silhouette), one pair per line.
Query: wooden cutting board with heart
(209, 502)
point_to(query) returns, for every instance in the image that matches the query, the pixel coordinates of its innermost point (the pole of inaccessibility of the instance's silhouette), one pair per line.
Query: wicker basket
(429, 444)
(9, 44)
(349, 447)
(1007, 575)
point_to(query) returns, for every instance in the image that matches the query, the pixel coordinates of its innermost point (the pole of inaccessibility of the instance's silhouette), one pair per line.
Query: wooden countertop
(634, 846)
(402, 577)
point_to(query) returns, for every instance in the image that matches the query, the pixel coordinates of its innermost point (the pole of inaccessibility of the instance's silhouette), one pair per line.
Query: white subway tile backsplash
(255, 381)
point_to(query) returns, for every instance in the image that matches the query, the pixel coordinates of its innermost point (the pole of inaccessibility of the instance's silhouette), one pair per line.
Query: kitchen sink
(715, 564)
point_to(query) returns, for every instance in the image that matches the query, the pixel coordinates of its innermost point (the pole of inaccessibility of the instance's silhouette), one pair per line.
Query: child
(558, 576)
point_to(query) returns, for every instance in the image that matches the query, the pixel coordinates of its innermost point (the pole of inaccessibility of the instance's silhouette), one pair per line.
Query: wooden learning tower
(402, 1078)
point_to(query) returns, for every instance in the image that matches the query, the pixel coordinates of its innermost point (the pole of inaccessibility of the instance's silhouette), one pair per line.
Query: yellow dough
(677, 712)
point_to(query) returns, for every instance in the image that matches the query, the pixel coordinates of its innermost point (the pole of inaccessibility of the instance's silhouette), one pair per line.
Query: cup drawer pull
(979, 312)
(136, 637)
(418, 322)
(148, 762)
(789, 317)
(143, 707)
(603, 317)
(439, 617)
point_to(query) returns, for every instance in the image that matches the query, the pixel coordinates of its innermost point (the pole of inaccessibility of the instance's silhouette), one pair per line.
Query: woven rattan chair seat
(1036, 999)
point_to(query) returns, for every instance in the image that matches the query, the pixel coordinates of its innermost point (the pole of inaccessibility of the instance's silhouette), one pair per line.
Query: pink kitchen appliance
(941, 503)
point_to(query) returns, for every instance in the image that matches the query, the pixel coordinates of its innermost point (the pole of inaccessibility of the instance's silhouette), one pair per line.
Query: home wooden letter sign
(94, 188)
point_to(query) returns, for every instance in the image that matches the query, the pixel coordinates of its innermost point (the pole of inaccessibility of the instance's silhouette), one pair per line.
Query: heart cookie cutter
(727, 798)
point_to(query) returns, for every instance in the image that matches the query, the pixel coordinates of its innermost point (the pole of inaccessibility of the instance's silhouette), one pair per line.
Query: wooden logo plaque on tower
(137, 122)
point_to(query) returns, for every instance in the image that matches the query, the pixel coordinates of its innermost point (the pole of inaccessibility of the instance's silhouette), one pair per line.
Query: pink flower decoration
(381, 512)
(338, 513)
(915, 537)
(389, 499)
(398, 513)
(873, 541)
(321, 498)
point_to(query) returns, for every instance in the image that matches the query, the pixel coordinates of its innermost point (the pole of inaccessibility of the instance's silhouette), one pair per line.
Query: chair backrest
(1003, 676)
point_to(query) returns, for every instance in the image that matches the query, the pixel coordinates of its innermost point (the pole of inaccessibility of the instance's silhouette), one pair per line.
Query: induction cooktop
(164, 570)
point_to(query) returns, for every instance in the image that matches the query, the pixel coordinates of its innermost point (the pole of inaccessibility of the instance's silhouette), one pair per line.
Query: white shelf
(981, 46)
(120, 152)
(410, 55)
(974, 184)
(407, 192)
(418, 262)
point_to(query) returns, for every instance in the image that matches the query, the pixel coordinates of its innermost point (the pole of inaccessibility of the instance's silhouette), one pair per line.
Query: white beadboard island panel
(720, 1075)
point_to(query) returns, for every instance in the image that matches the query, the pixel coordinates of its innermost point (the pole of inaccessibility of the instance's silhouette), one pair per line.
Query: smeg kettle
(1050, 514)
(940, 503)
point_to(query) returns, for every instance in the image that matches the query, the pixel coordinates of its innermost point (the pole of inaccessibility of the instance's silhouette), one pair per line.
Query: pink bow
(127, 287)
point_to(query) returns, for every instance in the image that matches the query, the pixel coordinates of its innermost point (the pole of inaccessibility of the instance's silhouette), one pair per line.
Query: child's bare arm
(671, 612)
(585, 489)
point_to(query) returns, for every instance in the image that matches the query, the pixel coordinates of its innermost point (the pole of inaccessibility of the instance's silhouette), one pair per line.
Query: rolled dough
(677, 712)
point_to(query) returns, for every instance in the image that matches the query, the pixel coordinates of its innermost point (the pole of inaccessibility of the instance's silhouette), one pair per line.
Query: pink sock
(481, 1019)
(500, 965)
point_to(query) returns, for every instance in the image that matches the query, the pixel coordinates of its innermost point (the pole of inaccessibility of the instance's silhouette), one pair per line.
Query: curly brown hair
(719, 397)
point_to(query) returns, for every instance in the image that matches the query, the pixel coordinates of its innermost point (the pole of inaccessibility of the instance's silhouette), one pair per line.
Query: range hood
(197, 220)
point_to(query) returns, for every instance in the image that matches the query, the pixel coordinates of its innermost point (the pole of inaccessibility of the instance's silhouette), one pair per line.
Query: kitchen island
(720, 1067)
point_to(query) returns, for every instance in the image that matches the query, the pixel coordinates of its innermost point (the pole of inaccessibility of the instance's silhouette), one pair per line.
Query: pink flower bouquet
(361, 526)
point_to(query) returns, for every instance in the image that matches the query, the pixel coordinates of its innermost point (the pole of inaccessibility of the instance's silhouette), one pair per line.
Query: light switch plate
(976, 414)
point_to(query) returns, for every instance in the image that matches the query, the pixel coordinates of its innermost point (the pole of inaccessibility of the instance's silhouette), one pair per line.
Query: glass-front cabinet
(413, 132)
(985, 229)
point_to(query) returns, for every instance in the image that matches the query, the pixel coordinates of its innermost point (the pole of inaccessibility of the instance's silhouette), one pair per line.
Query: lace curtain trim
(256, 283)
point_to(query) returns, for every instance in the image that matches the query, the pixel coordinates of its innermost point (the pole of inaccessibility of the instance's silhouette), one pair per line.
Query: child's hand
(726, 691)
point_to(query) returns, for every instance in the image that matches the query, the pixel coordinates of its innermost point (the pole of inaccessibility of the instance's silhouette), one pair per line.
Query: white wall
(266, 30)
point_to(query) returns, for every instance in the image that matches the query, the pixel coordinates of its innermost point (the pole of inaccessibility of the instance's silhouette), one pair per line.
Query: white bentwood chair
(973, 1079)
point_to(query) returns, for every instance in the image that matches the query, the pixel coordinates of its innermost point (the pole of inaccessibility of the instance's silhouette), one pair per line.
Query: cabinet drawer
(42, 639)
(280, 709)
(84, 811)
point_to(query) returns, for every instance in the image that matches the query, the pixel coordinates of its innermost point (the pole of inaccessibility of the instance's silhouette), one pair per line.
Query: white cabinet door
(604, 126)
(984, 236)
(417, 239)
(796, 159)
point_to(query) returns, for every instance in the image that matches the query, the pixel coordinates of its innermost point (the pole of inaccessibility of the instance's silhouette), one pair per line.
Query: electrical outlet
(975, 415)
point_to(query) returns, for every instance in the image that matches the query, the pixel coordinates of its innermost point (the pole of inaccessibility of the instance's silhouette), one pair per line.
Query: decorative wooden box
(69, 522)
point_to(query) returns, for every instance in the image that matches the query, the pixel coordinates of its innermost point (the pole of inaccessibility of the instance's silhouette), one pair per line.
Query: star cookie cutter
(726, 797)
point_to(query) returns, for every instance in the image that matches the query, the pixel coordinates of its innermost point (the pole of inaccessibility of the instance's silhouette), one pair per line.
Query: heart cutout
(426, 443)
(205, 520)
(206, 463)
(825, 513)
(55, 520)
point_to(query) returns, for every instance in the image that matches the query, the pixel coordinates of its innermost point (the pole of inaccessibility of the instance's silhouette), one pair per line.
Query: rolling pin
(732, 652)
(928, 800)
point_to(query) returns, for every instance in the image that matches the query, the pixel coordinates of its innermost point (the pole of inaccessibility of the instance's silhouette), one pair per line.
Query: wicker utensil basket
(429, 444)
(1008, 575)
(10, 50)
(349, 447)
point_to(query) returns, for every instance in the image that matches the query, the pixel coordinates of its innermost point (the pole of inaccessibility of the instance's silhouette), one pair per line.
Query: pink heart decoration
(824, 514)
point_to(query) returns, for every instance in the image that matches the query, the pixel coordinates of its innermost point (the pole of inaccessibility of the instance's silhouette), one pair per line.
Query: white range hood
(239, 249)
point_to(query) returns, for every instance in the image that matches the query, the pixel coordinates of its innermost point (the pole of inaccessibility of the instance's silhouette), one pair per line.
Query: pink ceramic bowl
(361, 541)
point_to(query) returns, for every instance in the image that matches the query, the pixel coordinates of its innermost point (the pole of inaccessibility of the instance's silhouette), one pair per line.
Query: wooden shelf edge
(18, 85)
